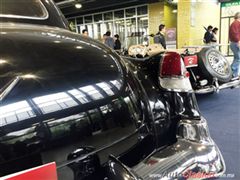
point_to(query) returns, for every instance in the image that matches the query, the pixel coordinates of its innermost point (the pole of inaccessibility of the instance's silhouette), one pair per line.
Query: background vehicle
(69, 99)
(209, 70)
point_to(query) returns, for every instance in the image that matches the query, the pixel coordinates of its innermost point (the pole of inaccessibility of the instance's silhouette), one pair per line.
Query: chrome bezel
(46, 14)
(195, 131)
(169, 83)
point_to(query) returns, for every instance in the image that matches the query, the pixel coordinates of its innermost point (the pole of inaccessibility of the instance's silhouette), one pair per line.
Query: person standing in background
(117, 45)
(159, 38)
(234, 36)
(109, 41)
(208, 36)
(214, 33)
(85, 32)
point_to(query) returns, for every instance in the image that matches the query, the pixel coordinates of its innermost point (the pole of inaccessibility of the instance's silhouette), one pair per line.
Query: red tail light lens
(172, 65)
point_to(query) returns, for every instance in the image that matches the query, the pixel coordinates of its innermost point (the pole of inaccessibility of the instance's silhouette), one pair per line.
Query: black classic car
(209, 70)
(69, 99)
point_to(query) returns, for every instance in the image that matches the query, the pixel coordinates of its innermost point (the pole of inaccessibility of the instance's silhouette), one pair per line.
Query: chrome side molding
(8, 88)
(12, 84)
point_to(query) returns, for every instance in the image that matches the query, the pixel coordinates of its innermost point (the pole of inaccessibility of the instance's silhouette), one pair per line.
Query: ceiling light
(78, 6)
(79, 47)
(28, 76)
(57, 42)
(2, 61)
(62, 3)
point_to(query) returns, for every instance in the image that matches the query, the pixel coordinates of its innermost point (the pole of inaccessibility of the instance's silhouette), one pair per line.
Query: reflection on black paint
(56, 137)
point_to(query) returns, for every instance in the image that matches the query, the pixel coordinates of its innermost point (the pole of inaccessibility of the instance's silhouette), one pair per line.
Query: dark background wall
(92, 6)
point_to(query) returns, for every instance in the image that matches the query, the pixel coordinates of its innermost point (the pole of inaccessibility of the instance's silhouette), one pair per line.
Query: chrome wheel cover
(218, 63)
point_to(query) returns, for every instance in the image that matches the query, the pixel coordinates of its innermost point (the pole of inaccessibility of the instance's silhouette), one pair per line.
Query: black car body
(209, 70)
(70, 99)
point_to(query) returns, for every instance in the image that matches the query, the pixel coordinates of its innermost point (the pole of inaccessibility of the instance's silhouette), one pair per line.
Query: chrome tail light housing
(173, 74)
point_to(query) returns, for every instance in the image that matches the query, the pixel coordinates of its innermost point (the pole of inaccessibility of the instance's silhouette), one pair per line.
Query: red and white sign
(191, 61)
(44, 172)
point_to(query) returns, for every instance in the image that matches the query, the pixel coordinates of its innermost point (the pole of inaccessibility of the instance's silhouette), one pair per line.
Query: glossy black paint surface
(147, 71)
(80, 95)
(77, 102)
(55, 18)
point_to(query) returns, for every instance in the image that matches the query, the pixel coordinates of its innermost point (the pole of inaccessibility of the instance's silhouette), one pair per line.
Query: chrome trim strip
(190, 66)
(8, 88)
(209, 89)
(46, 15)
(230, 84)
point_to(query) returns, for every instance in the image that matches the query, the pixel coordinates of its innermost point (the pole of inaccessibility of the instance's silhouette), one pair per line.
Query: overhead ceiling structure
(91, 6)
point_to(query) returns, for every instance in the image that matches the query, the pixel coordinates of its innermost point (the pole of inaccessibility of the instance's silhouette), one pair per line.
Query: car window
(23, 9)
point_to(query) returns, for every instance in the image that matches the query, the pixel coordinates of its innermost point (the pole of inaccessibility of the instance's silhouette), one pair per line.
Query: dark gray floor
(222, 112)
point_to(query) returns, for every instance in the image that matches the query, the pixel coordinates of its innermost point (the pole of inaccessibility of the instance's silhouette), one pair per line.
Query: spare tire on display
(214, 65)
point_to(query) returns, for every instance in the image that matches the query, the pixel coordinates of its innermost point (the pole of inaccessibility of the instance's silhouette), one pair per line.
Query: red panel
(44, 172)
(190, 61)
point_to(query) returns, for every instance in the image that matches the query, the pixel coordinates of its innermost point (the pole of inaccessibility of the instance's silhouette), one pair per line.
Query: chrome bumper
(185, 159)
(213, 88)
